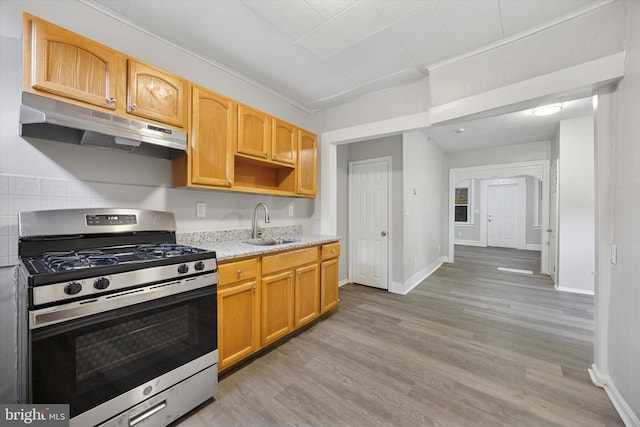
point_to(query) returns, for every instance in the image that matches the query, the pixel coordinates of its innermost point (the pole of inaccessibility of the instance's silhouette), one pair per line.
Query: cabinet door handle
(266, 154)
(111, 101)
(299, 273)
(230, 181)
(275, 156)
(254, 287)
(132, 107)
(239, 272)
(290, 276)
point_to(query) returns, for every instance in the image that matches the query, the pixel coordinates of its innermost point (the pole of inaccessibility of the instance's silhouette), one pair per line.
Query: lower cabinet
(261, 300)
(239, 309)
(306, 294)
(277, 306)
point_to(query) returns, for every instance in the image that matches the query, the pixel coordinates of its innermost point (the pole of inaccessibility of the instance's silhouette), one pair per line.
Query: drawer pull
(239, 272)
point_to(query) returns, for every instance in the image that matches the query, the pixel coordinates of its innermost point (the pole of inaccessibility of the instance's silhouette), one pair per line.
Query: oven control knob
(183, 268)
(199, 265)
(101, 283)
(72, 288)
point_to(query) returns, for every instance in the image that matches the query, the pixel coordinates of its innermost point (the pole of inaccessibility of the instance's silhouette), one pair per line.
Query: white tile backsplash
(4, 204)
(23, 203)
(78, 202)
(24, 186)
(53, 187)
(4, 246)
(53, 202)
(78, 189)
(4, 184)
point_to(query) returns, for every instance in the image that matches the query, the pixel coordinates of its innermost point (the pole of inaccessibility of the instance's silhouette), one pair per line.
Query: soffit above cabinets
(321, 53)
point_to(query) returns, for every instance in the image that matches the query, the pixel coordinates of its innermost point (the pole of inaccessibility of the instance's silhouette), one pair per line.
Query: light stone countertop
(228, 243)
(234, 249)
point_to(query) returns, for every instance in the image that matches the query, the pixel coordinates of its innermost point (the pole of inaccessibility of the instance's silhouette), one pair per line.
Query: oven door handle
(146, 414)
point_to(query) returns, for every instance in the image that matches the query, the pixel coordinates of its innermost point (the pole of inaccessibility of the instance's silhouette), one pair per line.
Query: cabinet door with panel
(329, 276)
(254, 132)
(155, 94)
(238, 312)
(307, 294)
(65, 64)
(284, 142)
(306, 168)
(213, 133)
(277, 306)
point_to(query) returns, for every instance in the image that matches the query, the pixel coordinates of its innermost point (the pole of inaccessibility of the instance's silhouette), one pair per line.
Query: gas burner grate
(76, 260)
(165, 250)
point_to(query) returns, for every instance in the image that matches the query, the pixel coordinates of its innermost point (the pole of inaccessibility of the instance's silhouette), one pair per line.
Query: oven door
(104, 363)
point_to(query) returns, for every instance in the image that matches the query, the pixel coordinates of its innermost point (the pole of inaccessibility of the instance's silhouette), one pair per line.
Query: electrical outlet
(291, 209)
(201, 209)
(613, 256)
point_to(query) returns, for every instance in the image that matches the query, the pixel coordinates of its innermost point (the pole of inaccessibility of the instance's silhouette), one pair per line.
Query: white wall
(624, 307)
(423, 182)
(576, 206)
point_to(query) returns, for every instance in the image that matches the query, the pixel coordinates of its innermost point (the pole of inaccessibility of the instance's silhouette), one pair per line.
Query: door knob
(383, 233)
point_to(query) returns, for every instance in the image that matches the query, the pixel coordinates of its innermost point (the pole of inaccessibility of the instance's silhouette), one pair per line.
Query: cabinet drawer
(331, 250)
(291, 259)
(237, 271)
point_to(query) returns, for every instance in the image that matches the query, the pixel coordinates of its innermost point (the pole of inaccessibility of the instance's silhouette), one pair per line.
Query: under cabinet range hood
(50, 119)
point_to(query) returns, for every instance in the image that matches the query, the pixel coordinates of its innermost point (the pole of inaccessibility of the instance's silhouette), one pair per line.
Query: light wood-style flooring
(469, 346)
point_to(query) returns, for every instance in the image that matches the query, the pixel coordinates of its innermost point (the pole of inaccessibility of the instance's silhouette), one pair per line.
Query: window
(462, 203)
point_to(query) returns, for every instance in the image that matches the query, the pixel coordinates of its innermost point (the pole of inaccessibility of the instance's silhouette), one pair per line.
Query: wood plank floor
(470, 346)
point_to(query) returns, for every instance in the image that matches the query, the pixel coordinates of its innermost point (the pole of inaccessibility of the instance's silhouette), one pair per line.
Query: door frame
(522, 208)
(388, 161)
(536, 168)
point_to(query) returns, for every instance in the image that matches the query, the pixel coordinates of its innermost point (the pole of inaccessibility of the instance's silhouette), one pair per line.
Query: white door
(502, 215)
(553, 223)
(369, 222)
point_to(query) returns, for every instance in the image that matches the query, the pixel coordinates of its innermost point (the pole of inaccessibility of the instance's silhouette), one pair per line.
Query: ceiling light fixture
(459, 130)
(547, 110)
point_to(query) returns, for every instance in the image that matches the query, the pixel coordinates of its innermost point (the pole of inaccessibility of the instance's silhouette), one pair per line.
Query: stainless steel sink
(265, 241)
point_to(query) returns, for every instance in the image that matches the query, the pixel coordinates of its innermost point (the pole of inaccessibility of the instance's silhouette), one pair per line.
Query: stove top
(59, 261)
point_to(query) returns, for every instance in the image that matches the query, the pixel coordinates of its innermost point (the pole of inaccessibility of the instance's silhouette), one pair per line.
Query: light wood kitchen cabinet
(306, 294)
(329, 277)
(254, 132)
(155, 94)
(284, 142)
(277, 306)
(209, 161)
(306, 167)
(63, 64)
(238, 312)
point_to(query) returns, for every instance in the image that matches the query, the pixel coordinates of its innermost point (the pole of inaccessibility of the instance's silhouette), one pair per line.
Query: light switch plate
(201, 209)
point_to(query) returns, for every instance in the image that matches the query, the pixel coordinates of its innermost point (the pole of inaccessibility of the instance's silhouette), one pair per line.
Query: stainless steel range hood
(50, 119)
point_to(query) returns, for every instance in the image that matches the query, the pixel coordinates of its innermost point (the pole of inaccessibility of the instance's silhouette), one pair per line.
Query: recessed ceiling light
(547, 110)
(459, 130)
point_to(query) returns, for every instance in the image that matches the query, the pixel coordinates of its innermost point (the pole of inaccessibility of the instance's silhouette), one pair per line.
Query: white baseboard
(574, 290)
(343, 282)
(624, 410)
(533, 247)
(469, 243)
(417, 278)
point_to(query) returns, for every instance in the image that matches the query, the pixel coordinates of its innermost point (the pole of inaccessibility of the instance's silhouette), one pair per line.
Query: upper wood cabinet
(155, 94)
(213, 132)
(284, 142)
(306, 167)
(254, 132)
(62, 63)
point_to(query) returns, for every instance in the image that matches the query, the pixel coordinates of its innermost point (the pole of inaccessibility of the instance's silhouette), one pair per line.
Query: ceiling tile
(163, 17)
(380, 44)
(423, 26)
(349, 27)
(293, 17)
(519, 15)
(470, 24)
(392, 11)
(329, 8)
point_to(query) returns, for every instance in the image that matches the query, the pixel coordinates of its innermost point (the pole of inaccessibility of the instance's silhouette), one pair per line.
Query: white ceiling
(322, 53)
(505, 129)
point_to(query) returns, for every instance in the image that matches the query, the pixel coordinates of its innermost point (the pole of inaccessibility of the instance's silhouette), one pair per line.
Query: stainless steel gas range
(115, 318)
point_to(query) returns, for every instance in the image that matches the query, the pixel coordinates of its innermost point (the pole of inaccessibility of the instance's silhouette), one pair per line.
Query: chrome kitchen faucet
(254, 227)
